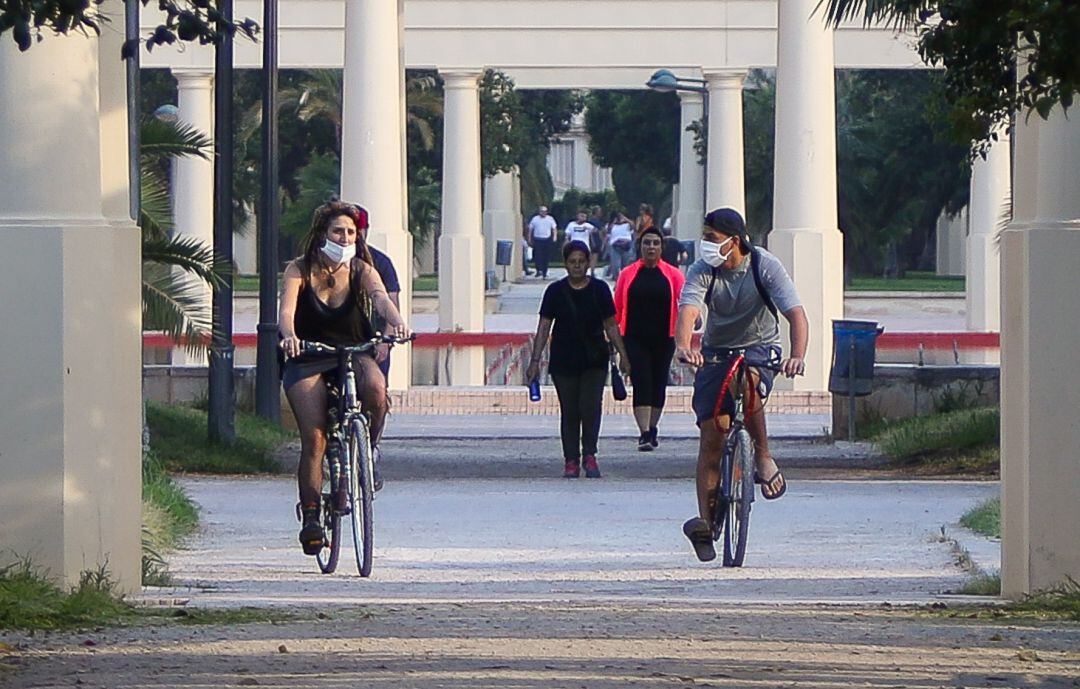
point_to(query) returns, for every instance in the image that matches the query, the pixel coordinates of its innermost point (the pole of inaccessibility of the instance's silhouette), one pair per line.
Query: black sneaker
(652, 437)
(644, 442)
(312, 534)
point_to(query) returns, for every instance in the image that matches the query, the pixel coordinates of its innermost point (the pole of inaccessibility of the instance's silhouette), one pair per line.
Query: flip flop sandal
(700, 535)
(765, 483)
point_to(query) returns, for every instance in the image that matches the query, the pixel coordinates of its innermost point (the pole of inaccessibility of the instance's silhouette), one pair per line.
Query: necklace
(330, 282)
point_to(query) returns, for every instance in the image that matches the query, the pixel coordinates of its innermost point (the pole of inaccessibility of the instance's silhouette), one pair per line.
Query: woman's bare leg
(307, 397)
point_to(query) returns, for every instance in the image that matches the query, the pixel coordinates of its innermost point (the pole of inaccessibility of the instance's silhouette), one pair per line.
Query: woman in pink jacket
(646, 306)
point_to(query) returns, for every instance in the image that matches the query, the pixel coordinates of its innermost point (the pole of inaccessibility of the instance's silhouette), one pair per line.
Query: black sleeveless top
(347, 324)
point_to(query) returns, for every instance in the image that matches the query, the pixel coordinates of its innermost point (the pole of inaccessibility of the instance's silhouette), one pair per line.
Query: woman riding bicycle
(327, 296)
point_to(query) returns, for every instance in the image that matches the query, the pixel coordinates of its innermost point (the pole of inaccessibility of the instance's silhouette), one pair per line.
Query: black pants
(580, 399)
(542, 250)
(650, 362)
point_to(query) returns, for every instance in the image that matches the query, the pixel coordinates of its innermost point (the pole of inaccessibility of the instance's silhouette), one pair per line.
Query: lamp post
(666, 81)
(267, 397)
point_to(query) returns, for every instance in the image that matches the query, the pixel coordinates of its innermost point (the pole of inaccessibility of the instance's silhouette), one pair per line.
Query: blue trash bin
(504, 252)
(864, 335)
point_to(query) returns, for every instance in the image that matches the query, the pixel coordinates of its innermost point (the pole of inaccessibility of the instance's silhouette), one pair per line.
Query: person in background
(581, 230)
(385, 268)
(542, 235)
(646, 308)
(577, 312)
(673, 252)
(646, 218)
(620, 236)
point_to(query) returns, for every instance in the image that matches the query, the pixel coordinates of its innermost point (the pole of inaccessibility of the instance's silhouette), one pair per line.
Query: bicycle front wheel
(361, 493)
(740, 449)
(327, 557)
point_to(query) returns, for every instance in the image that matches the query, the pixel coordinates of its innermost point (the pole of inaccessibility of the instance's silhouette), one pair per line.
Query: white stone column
(1040, 384)
(725, 167)
(691, 199)
(990, 192)
(805, 235)
(70, 429)
(372, 149)
(502, 220)
(461, 245)
(246, 247)
(193, 182)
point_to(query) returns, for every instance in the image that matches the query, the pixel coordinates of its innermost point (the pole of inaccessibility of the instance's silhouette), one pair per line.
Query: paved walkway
(558, 540)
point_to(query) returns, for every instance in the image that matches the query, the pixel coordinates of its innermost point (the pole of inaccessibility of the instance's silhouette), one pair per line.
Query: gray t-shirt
(737, 316)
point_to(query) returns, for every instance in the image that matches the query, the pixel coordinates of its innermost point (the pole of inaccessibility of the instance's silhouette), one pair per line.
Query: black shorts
(710, 378)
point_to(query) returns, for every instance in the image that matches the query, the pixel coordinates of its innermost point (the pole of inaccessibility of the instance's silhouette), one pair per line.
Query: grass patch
(178, 437)
(1061, 603)
(982, 585)
(984, 518)
(250, 283)
(913, 281)
(962, 441)
(28, 600)
(168, 516)
(428, 282)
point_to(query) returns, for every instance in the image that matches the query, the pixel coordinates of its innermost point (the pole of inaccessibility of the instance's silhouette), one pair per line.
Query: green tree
(184, 20)
(636, 134)
(980, 43)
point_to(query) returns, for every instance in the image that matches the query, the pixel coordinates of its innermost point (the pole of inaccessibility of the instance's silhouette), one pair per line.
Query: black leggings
(650, 361)
(580, 399)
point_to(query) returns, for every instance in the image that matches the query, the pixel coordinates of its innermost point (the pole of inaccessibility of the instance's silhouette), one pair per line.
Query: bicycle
(348, 464)
(735, 489)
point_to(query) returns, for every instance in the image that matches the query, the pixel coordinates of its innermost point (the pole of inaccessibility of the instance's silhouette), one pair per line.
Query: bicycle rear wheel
(740, 449)
(361, 494)
(328, 556)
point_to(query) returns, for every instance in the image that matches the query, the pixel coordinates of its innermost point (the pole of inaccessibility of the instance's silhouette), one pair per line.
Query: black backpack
(755, 269)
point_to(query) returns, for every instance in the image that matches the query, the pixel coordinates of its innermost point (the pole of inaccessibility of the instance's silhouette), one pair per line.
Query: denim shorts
(710, 378)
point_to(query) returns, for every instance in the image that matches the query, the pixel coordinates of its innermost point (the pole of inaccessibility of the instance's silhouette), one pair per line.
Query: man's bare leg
(755, 424)
(710, 446)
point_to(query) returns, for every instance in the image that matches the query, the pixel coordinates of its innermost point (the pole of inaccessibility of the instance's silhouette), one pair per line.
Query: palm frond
(895, 14)
(179, 308)
(188, 254)
(162, 139)
(155, 205)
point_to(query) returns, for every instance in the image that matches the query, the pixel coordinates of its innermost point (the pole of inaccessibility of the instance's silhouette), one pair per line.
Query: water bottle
(534, 390)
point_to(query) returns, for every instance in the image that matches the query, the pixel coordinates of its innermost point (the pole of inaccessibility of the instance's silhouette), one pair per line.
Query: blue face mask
(338, 253)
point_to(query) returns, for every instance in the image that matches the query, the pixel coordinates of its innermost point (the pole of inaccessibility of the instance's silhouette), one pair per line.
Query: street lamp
(666, 81)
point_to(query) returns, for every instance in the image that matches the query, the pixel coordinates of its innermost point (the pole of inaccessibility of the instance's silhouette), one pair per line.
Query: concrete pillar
(805, 235)
(1040, 386)
(461, 245)
(691, 188)
(70, 439)
(193, 182)
(990, 193)
(372, 136)
(502, 220)
(246, 247)
(725, 167)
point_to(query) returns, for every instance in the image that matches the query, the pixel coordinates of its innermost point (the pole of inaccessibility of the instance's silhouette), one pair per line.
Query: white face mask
(710, 252)
(339, 253)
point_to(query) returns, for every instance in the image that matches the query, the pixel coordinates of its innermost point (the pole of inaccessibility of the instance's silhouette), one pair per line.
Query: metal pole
(267, 397)
(851, 391)
(134, 109)
(222, 393)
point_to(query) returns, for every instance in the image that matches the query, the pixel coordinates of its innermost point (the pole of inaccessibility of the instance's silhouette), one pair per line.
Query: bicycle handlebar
(309, 346)
(771, 365)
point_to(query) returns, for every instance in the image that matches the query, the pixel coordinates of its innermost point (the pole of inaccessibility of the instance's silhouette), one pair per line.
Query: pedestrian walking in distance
(542, 233)
(577, 313)
(646, 309)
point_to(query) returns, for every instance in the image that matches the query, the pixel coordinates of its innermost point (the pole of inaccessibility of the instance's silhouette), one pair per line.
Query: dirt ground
(467, 645)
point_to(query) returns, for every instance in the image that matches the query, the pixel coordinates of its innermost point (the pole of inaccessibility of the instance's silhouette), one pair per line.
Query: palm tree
(175, 269)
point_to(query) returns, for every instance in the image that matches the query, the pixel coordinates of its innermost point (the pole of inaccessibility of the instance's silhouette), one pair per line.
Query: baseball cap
(730, 222)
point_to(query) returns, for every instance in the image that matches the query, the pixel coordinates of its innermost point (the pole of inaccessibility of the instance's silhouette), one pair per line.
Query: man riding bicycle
(328, 295)
(742, 287)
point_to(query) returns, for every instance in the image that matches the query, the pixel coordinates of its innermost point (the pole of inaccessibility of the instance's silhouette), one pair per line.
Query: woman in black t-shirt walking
(581, 310)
